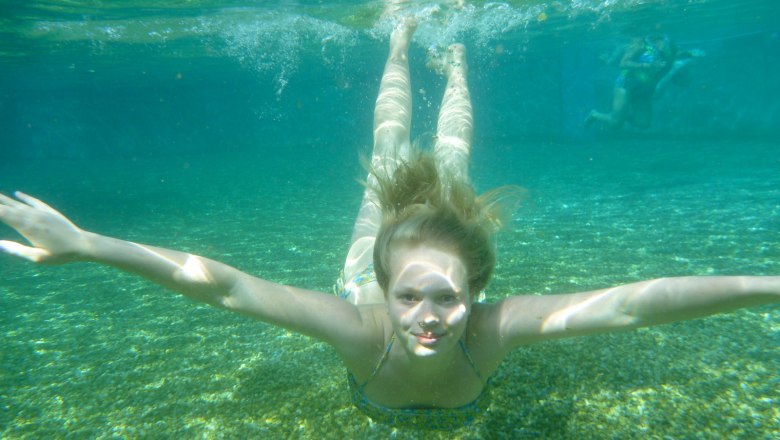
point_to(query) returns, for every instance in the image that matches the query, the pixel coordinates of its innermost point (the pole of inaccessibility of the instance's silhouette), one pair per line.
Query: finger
(35, 203)
(33, 254)
(12, 216)
(7, 201)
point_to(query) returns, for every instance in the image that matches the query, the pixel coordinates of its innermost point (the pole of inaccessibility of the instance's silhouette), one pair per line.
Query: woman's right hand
(54, 238)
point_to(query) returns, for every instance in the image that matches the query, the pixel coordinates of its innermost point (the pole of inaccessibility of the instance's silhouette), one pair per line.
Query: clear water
(233, 131)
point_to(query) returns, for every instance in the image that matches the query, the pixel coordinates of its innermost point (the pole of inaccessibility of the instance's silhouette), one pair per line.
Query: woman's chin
(423, 351)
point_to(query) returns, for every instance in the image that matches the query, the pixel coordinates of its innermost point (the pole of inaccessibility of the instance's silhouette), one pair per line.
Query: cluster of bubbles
(272, 40)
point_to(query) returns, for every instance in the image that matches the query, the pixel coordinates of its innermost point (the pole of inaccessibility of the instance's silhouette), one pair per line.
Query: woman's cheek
(457, 316)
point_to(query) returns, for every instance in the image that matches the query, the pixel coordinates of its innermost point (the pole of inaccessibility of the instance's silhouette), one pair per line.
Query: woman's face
(427, 298)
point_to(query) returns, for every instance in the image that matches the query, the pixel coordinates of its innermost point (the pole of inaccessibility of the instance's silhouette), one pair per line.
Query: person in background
(646, 67)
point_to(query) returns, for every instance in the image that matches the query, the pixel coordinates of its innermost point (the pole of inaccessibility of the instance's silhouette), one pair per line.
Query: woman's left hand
(54, 238)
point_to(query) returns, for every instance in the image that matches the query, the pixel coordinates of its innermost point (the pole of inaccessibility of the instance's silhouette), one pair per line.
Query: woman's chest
(397, 387)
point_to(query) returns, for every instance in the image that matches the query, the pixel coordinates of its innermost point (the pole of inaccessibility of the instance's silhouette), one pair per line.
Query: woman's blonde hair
(422, 205)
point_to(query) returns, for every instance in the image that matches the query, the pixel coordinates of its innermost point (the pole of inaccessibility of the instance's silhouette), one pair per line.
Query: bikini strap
(381, 361)
(471, 360)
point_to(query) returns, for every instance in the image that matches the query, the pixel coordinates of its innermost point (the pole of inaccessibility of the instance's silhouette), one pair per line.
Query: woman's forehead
(424, 264)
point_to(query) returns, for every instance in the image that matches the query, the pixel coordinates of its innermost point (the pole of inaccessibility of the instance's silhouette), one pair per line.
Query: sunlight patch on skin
(454, 142)
(194, 270)
(432, 271)
(561, 320)
(388, 125)
(456, 315)
(423, 351)
(558, 321)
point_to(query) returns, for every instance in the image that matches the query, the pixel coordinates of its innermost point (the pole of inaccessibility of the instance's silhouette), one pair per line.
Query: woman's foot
(591, 118)
(401, 36)
(393, 8)
(448, 62)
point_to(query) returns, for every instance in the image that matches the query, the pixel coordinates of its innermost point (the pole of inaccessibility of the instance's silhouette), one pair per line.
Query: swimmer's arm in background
(56, 240)
(681, 61)
(529, 318)
(630, 59)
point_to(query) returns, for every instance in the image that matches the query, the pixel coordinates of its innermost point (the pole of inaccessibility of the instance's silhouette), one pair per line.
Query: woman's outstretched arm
(528, 319)
(56, 240)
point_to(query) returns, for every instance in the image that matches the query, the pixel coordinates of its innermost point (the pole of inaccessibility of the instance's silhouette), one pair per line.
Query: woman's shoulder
(483, 320)
(374, 314)
(483, 310)
(483, 337)
(361, 356)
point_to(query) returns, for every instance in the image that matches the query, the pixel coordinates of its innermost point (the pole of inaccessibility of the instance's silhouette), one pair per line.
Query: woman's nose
(429, 320)
(427, 316)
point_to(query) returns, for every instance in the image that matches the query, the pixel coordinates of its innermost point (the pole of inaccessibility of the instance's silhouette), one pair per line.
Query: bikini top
(429, 418)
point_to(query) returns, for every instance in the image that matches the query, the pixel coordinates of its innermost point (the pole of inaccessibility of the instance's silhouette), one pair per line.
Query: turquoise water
(233, 131)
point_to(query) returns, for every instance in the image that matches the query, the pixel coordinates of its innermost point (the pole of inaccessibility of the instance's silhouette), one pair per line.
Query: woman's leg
(456, 124)
(392, 121)
(619, 113)
(641, 107)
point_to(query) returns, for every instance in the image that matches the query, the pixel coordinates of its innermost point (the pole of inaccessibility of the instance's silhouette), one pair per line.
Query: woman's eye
(448, 298)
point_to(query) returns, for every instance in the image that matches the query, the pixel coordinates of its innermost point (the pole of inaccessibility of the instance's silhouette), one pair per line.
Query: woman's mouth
(427, 338)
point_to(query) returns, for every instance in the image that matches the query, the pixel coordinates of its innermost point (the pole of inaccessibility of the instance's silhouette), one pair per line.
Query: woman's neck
(423, 366)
